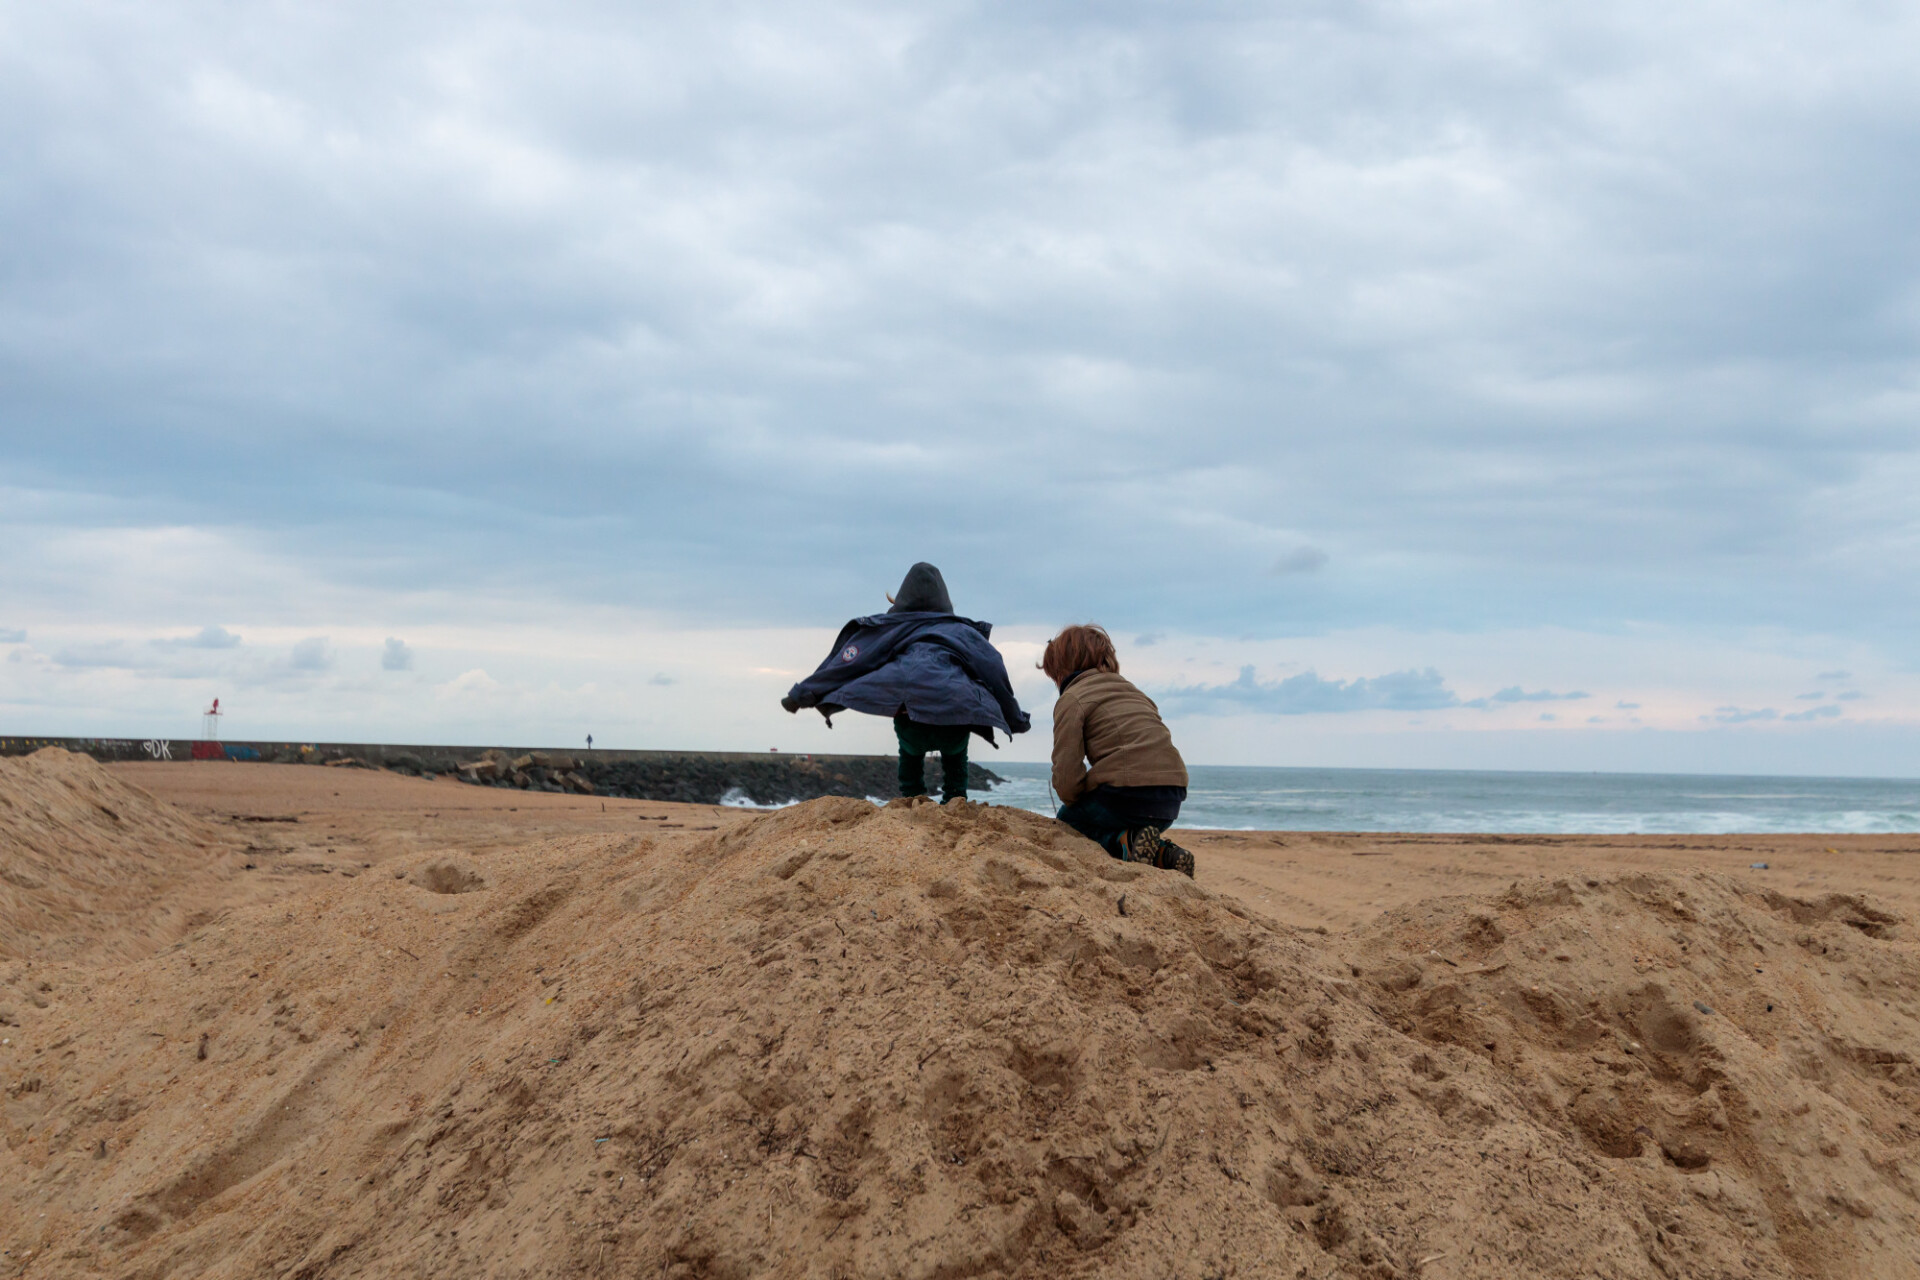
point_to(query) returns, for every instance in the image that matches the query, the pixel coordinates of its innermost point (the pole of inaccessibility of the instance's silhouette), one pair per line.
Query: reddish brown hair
(1079, 648)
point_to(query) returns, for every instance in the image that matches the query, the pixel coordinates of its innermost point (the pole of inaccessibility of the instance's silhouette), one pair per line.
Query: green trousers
(950, 740)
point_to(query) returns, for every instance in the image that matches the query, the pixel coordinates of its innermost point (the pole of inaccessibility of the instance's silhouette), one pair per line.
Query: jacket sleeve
(1069, 749)
(812, 691)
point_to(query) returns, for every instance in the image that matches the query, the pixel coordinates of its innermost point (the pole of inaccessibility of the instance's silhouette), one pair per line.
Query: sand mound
(1729, 1052)
(959, 1042)
(86, 860)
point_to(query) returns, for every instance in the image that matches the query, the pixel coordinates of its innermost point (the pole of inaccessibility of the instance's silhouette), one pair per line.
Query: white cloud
(468, 684)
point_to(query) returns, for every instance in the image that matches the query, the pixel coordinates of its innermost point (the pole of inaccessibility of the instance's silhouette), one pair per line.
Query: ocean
(1259, 799)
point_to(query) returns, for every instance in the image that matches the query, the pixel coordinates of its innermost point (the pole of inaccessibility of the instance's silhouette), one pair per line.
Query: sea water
(1462, 800)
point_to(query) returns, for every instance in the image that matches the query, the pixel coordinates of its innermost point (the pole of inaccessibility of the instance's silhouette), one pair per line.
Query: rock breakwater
(694, 777)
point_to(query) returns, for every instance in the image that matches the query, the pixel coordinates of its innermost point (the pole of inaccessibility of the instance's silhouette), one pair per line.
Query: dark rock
(775, 780)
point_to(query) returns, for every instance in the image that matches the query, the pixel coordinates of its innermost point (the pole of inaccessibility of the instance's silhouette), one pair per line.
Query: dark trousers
(1105, 814)
(916, 739)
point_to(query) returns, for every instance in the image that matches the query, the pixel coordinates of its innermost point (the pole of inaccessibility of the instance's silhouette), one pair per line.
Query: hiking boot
(1174, 858)
(1141, 844)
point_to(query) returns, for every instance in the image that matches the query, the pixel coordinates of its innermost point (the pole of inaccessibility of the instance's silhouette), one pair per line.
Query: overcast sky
(1452, 384)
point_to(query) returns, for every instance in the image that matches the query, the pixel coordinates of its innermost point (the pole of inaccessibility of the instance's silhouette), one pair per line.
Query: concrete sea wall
(697, 777)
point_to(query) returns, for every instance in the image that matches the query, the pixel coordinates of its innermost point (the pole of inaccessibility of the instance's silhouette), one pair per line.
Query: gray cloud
(10, 635)
(1299, 560)
(205, 638)
(312, 654)
(1146, 640)
(1627, 706)
(1307, 693)
(1814, 713)
(1850, 695)
(396, 656)
(104, 654)
(580, 303)
(1740, 715)
(1515, 693)
(662, 679)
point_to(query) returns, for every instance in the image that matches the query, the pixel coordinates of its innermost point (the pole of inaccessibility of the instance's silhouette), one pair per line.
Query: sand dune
(914, 1041)
(91, 866)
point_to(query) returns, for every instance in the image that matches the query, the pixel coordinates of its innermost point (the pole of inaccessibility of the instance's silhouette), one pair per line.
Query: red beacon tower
(210, 723)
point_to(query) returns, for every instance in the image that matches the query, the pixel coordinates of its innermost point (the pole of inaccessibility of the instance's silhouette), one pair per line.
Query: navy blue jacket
(937, 668)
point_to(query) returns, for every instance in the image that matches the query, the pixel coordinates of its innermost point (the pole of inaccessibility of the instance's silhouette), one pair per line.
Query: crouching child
(1115, 769)
(934, 673)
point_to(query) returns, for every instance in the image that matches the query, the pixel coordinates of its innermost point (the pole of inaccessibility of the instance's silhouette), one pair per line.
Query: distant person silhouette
(929, 669)
(589, 742)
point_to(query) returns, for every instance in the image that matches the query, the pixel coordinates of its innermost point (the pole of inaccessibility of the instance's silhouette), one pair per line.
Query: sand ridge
(91, 865)
(839, 1040)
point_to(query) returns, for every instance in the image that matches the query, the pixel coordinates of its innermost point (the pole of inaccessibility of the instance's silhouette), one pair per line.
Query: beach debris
(1757, 866)
(1702, 1006)
(1123, 904)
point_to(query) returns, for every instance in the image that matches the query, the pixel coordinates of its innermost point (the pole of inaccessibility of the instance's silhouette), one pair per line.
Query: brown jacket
(1117, 730)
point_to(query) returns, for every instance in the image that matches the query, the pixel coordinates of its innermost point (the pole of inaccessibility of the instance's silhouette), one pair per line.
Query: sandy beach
(301, 1021)
(1333, 880)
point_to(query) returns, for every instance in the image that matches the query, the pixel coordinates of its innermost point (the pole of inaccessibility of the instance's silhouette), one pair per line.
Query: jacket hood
(923, 590)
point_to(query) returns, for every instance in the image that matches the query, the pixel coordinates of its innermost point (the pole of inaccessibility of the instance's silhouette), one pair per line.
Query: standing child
(1130, 787)
(929, 669)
